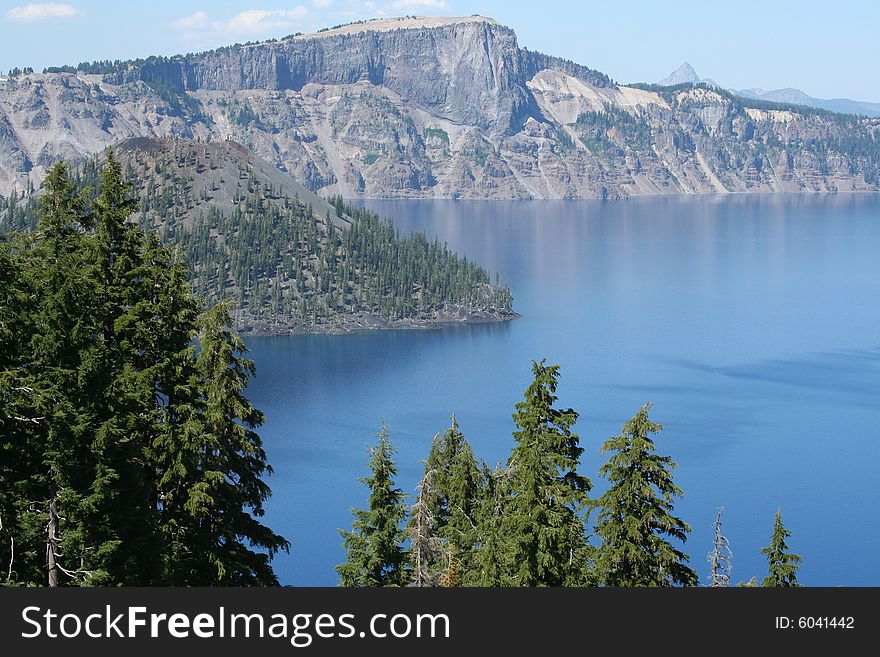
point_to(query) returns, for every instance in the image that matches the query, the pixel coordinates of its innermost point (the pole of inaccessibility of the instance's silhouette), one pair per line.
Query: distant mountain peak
(684, 74)
(793, 96)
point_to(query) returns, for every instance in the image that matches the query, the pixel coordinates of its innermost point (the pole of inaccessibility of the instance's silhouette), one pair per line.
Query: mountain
(434, 108)
(798, 97)
(292, 262)
(685, 74)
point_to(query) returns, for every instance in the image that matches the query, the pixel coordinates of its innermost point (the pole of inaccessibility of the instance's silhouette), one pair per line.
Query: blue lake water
(750, 322)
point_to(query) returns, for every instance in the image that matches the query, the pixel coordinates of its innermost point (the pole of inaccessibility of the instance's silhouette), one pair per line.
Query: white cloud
(322, 4)
(41, 12)
(260, 21)
(431, 4)
(198, 21)
(200, 28)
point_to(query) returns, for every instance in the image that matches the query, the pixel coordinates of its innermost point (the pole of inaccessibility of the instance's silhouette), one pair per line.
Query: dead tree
(721, 556)
(11, 553)
(52, 542)
(425, 545)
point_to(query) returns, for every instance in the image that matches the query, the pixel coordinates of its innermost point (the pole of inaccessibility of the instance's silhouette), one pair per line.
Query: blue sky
(826, 49)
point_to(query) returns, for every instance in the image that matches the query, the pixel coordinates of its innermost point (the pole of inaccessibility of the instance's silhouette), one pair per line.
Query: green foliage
(532, 523)
(491, 558)
(376, 556)
(436, 133)
(443, 519)
(543, 520)
(283, 264)
(610, 131)
(179, 102)
(213, 486)
(635, 513)
(782, 564)
(242, 115)
(125, 452)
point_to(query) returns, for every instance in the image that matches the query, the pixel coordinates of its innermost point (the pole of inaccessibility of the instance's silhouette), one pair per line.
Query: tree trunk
(52, 543)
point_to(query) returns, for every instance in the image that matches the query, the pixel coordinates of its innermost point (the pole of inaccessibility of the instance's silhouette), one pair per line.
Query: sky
(826, 49)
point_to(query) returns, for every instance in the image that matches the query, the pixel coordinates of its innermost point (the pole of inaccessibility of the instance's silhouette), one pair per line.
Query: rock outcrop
(436, 107)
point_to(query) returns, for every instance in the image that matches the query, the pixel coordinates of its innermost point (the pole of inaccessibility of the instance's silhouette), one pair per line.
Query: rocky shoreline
(362, 322)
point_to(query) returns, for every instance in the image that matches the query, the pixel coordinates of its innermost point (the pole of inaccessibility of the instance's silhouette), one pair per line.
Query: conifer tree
(491, 564)
(222, 491)
(120, 522)
(22, 540)
(63, 328)
(783, 565)
(125, 458)
(635, 513)
(450, 493)
(543, 522)
(376, 556)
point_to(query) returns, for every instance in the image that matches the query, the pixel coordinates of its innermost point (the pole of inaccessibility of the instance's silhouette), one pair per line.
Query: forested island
(289, 261)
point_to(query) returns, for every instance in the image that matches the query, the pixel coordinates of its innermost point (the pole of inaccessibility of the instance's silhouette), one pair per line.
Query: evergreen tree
(223, 492)
(121, 536)
(22, 540)
(491, 564)
(63, 328)
(542, 526)
(125, 458)
(376, 556)
(450, 493)
(783, 565)
(635, 513)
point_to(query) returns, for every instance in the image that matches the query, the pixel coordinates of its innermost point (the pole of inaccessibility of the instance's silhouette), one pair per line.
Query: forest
(130, 453)
(285, 266)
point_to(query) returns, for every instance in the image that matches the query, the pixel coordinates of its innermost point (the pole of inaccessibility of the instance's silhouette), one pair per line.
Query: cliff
(436, 107)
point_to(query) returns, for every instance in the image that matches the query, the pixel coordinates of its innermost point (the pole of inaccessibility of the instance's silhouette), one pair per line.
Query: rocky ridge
(436, 108)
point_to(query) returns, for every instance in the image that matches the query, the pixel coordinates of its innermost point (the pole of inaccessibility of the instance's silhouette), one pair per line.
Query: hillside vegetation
(290, 261)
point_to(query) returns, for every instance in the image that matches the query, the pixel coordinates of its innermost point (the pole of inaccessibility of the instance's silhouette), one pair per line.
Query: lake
(750, 322)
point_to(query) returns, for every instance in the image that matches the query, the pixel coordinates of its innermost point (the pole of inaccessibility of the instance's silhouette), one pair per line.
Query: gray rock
(431, 107)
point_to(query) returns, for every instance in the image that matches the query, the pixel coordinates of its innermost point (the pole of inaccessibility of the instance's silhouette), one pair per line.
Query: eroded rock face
(431, 107)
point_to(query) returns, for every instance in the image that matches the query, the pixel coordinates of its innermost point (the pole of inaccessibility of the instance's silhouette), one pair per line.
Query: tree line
(527, 522)
(128, 451)
(284, 265)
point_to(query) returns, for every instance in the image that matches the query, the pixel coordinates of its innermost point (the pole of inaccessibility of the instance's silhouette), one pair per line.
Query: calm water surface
(751, 323)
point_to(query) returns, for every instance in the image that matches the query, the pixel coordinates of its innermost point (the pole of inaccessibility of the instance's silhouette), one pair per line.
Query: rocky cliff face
(436, 107)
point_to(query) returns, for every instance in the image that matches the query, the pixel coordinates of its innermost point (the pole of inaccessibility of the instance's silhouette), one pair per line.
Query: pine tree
(376, 556)
(121, 536)
(450, 493)
(63, 322)
(22, 478)
(783, 565)
(543, 525)
(224, 495)
(635, 513)
(125, 458)
(491, 564)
